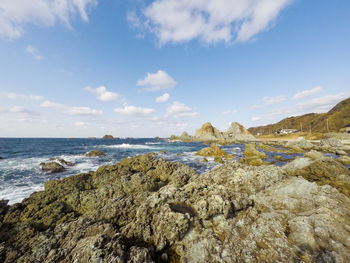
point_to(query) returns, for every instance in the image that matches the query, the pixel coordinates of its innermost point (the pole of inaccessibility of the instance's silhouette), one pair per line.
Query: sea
(21, 175)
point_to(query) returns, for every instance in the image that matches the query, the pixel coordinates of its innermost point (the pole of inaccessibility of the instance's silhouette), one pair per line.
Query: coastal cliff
(146, 209)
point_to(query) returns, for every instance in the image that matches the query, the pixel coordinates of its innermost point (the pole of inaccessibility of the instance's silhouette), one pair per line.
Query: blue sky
(138, 68)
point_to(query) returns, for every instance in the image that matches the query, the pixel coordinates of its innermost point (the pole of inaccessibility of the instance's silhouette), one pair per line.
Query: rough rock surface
(207, 132)
(300, 144)
(52, 167)
(61, 161)
(150, 210)
(344, 160)
(313, 155)
(95, 153)
(236, 132)
(324, 171)
(213, 151)
(252, 156)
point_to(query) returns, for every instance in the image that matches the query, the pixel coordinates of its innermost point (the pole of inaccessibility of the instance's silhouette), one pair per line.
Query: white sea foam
(127, 146)
(152, 143)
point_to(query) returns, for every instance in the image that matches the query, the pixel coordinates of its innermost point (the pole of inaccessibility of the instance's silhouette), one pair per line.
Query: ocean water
(20, 173)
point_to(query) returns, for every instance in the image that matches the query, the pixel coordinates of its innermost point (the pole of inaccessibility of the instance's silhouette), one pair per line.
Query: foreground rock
(323, 171)
(95, 153)
(150, 210)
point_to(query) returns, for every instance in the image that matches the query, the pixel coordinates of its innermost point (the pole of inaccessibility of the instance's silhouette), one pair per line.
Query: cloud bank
(210, 21)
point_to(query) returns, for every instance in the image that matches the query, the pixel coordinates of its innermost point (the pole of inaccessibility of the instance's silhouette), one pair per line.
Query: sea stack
(208, 132)
(108, 137)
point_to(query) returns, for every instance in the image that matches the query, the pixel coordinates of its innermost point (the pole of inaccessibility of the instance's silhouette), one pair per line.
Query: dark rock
(62, 161)
(109, 137)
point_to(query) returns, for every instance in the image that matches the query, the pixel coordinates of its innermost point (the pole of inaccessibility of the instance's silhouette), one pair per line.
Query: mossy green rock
(95, 153)
(212, 151)
(52, 167)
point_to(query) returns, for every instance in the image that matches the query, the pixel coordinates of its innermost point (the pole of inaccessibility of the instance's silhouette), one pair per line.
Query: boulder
(1, 158)
(300, 143)
(107, 137)
(313, 154)
(95, 153)
(252, 156)
(213, 151)
(61, 161)
(52, 167)
(92, 138)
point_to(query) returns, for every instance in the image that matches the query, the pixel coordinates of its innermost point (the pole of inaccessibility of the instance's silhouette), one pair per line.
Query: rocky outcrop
(92, 138)
(344, 160)
(208, 133)
(95, 153)
(52, 167)
(216, 152)
(146, 209)
(252, 156)
(108, 137)
(236, 132)
(61, 161)
(323, 171)
(185, 137)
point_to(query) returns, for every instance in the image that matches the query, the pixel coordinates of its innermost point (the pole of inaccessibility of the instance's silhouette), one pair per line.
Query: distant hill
(338, 117)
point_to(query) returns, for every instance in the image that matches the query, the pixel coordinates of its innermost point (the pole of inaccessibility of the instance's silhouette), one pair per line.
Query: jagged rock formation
(237, 132)
(252, 156)
(52, 167)
(208, 132)
(149, 210)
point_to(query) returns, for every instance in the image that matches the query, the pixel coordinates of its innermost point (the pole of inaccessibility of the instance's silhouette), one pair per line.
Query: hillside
(338, 117)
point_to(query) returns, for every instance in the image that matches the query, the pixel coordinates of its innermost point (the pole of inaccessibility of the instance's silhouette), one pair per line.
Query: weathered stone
(52, 167)
(95, 153)
(61, 161)
(213, 151)
(108, 137)
(344, 160)
(313, 155)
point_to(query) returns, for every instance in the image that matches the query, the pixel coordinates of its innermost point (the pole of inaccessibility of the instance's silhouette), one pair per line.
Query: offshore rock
(52, 167)
(108, 137)
(95, 153)
(213, 151)
(207, 133)
(146, 209)
(236, 132)
(61, 161)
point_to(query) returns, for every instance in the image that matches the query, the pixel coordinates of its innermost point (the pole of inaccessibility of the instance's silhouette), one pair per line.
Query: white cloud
(307, 93)
(70, 110)
(267, 101)
(34, 52)
(179, 110)
(255, 118)
(81, 124)
(320, 104)
(157, 81)
(229, 112)
(134, 111)
(14, 96)
(19, 110)
(104, 95)
(15, 14)
(210, 21)
(164, 98)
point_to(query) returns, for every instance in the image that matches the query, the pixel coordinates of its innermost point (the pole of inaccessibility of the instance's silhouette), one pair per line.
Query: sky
(136, 68)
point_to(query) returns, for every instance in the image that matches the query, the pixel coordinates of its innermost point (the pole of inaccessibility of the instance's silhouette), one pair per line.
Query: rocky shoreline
(146, 209)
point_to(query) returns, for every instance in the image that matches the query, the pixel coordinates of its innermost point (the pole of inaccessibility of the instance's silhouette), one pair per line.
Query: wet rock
(252, 156)
(1, 158)
(52, 167)
(95, 153)
(267, 148)
(213, 151)
(61, 161)
(218, 159)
